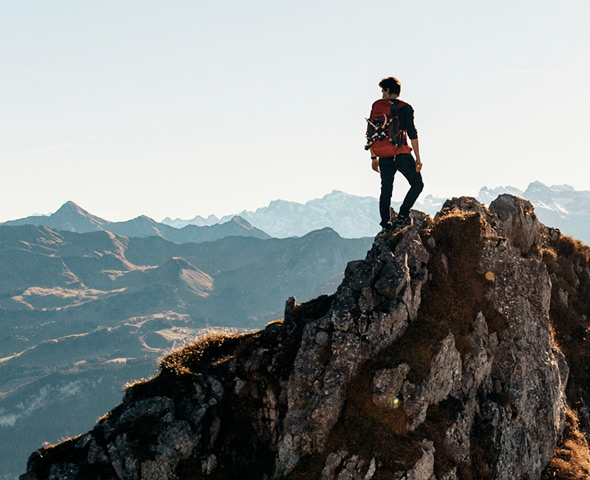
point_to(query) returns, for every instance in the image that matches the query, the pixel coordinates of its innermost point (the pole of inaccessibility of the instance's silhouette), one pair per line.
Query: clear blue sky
(197, 107)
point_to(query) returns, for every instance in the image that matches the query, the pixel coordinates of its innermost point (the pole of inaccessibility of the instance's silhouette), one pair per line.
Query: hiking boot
(402, 221)
(388, 227)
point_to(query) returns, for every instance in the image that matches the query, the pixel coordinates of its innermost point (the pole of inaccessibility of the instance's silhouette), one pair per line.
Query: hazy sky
(186, 107)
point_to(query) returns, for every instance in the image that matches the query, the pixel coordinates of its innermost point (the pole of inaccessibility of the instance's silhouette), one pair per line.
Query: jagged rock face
(372, 308)
(433, 360)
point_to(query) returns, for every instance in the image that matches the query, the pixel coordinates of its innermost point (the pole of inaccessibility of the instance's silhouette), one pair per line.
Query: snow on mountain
(350, 215)
(353, 216)
(198, 221)
(487, 195)
(562, 207)
(559, 206)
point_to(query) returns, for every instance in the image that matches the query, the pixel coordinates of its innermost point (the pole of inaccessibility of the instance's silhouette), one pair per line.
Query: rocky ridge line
(435, 359)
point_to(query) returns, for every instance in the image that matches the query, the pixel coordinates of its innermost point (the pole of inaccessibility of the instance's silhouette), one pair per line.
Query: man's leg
(387, 169)
(406, 164)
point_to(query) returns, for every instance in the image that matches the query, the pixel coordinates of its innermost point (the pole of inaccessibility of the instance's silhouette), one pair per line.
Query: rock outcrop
(452, 351)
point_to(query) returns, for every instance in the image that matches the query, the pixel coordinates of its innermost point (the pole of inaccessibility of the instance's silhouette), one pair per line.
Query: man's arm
(374, 161)
(416, 148)
(408, 122)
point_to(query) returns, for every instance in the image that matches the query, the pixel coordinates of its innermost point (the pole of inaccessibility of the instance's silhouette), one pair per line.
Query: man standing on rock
(391, 122)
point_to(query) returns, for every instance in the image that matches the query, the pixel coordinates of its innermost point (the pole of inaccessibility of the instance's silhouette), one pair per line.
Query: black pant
(406, 164)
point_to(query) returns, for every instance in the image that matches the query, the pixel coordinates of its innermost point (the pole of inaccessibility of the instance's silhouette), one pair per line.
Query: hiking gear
(398, 225)
(387, 228)
(388, 167)
(402, 221)
(385, 137)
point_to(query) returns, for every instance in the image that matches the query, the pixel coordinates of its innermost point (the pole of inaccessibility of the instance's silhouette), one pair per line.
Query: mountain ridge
(73, 218)
(84, 313)
(351, 216)
(354, 216)
(452, 351)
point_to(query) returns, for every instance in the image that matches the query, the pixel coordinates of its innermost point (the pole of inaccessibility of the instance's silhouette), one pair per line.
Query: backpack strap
(397, 105)
(398, 137)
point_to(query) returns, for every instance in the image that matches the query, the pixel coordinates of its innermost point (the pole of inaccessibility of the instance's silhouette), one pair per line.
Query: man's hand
(375, 164)
(416, 148)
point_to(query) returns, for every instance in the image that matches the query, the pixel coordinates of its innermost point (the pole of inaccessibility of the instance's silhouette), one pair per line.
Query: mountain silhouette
(72, 218)
(69, 217)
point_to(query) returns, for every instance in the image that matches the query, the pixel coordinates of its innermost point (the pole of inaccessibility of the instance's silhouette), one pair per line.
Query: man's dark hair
(392, 84)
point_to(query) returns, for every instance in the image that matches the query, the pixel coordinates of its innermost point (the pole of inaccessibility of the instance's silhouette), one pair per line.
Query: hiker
(391, 122)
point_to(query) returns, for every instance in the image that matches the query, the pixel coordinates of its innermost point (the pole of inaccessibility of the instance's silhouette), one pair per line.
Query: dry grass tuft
(197, 357)
(127, 386)
(457, 290)
(568, 263)
(455, 293)
(451, 299)
(192, 357)
(571, 460)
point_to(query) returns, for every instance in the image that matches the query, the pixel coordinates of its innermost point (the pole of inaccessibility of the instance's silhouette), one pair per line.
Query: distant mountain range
(352, 216)
(558, 206)
(83, 313)
(87, 304)
(72, 218)
(349, 215)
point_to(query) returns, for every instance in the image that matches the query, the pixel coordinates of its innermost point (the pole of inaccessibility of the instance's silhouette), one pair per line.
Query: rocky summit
(457, 349)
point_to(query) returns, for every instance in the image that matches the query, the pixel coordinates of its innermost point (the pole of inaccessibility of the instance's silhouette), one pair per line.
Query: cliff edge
(457, 349)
